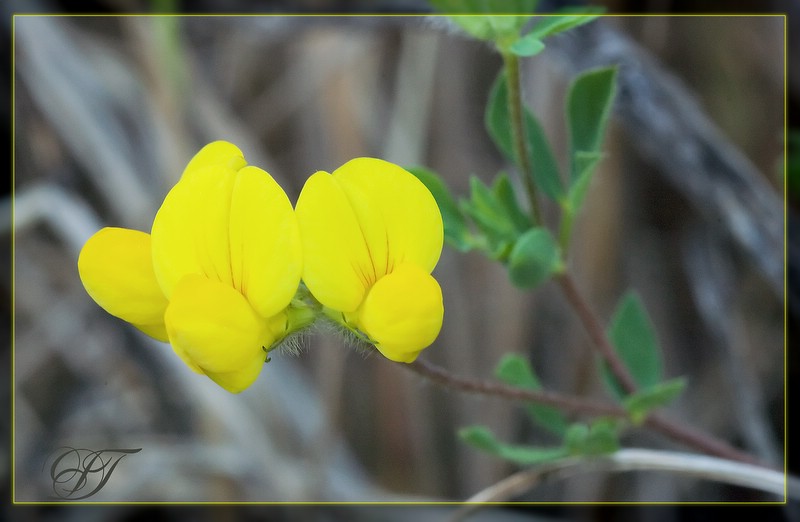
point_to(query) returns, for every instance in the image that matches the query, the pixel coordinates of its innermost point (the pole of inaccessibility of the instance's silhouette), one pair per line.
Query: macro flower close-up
(217, 273)
(372, 233)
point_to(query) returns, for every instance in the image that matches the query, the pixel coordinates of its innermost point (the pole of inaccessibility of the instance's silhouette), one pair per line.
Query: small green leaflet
(588, 106)
(643, 402)
(496, 212)
(585, 163)
(531, 44)
(534, 258)
(589, 103)
(527, 46)
(482, 438)
(599, 438)
(634, 338)
(504, 194)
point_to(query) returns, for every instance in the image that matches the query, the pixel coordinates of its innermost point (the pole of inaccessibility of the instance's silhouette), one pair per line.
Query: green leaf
(490, 20)
(549, 25)
(603, 437)
(497, 117)
(534, 258)
(528, 45)
(483, 439)
(456, 232)
(599, 438)
(588, 106)
(634, 338)
(575, 438)
(515, 370)
(483, 200)
(531, 44)
(504, 194)
(586, 162)
(481, 27)
(643, 402)
(487, 212)
(576, 194)
(497, 215)
(545, 169)
(546, 176)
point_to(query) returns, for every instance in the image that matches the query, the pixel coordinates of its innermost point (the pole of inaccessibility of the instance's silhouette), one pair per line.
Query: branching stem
(677, 432)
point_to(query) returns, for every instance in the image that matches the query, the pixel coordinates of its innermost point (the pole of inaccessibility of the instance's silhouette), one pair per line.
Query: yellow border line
(390, 503)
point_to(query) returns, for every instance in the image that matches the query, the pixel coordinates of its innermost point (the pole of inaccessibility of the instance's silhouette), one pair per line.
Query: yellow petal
(337, 267)
(403, 312)
(239, 380)
(214, 326)
(219, 153)
(190, 231)
(370, 214)
(398, 214)
(265, 252)
(156, 331)
(116, 268)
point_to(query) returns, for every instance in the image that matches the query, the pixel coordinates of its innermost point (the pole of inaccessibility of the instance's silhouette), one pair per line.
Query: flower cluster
(219, 276)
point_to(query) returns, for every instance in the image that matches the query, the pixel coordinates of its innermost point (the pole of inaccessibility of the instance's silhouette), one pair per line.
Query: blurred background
(108, 110)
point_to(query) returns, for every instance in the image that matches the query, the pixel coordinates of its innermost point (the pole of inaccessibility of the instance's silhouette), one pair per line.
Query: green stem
(565, 232)
(516, 115)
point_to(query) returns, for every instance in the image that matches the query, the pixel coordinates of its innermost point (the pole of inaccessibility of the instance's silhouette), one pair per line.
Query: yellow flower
(216, 274)
(372, 233)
